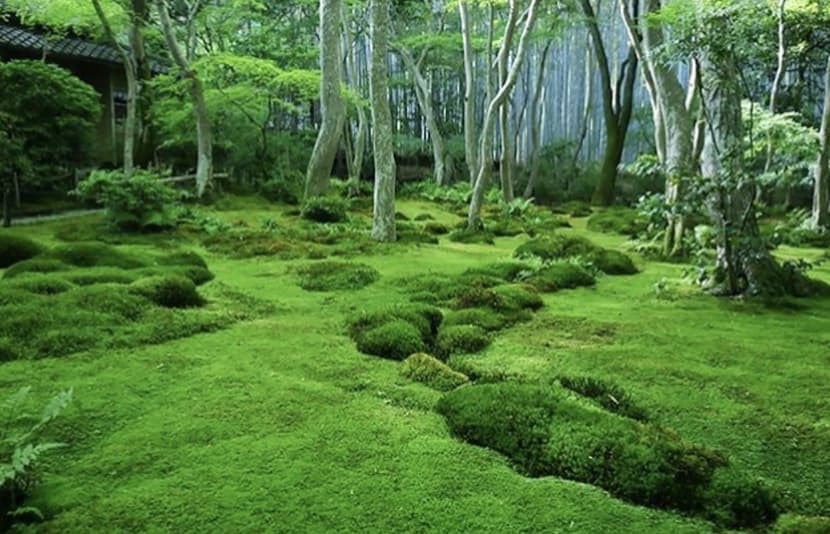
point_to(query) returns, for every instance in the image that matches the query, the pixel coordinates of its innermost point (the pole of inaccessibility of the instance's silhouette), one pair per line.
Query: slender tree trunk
(132, 88)
(821, 195)
(506, 170)
(470, 130)
(383, 222)
(359, 147)
(332, 108)
(486, 151)
(535, 123)
(204, 130)
(145, 130)
(779, 74)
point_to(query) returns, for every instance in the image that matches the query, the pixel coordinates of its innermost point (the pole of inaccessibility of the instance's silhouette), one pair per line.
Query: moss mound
(117, 300)
(508, 271)
(326, 209)
(169, 291)
(183, 258)
(556, 247)
(15, 248)
(561, 275)
(610, 396)
(460, 339)
(619, 220)
(484, 318)
(100, 275)
(470, 237)
(515, 297)
(614, 262)
(796, 524)
(94, 254)
(41, 283)
(425, 318)
(545, 432)
(436, 228)
(394, 340)
(432, 372)
(35, 265)
(336, 275)
(574, 208)
(424, 217)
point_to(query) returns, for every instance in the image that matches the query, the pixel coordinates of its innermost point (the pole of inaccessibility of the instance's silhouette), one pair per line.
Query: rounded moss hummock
(428, 370)
(460, 339)
(336, 275)
(169, 291)
(394, 340)
(15, 248)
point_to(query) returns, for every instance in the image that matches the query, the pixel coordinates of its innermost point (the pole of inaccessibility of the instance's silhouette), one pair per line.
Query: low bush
(41, 283)
(460, 339)
(610, 396)
(95, 254)
(556, 247)
(560, 275)
(432, 372)
(169, 291)
(469, 237)
(334, 276)
(326, 209)
(15, 248)
(35, 265)
(436, 228)
(619, 220)
(613, 262)
(484, 318)
(394, 340)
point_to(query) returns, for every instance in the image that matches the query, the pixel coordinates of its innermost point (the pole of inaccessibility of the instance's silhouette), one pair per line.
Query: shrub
(436, 228)
(100, 275)
(610, 396)
(508, 271)
(139, 202)
(35, 265)
(736, 501)
(556, 247)
(21, 448)
(169, 291)
(613, 262)
(94, 254)
(334, 275)
(561, 275)
(432, 372)
(395, 340)
(14, 249)
(619, 220)
(484, 318)
(467, 236)
(42, 284)
(325, 209)
(461, 339)
(285, 185)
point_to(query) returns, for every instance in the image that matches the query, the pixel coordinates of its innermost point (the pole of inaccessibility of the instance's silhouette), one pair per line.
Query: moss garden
(514, 383)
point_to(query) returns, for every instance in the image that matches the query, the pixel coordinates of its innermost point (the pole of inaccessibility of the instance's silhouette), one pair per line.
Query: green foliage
(610, 396)
(336, 276)
(575, 208)
(186, 258)
(284, 185)
(50, 113)
(95, 254)
(326, 209)
(485, 318)
(21, 447)
(425, 318)
(140, 202)
(514, 297)
(561, 275)
(100, 275)
(457, 194)
(433, 372)
(546, 432)
(619, 220)
(15, 249)
(460, 339)
(468, 236)
(737, 501)
(509, 271)
(795, 524)
(436, 228)
(169, 291)
(396, 340)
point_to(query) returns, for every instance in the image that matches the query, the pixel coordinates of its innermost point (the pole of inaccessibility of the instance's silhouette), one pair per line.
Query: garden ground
(278, 423)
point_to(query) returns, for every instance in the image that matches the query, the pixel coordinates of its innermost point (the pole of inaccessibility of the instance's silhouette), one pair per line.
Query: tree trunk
(204, 132)
(7, 209)
(332, 108)
(821, 194)
(359, 147)
(145, 130)
(506, 170)
(486, 151)
(132, 88)
(744, 265)
(779, 74)
(535, 124)
(470, 131)
(383, 221)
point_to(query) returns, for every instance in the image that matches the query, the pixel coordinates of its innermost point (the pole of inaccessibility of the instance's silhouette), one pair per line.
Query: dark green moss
(561, 275)
(432, 372)
(394, 340)
(335, 276)
(460, 339)
(16, 248)
(169, 291)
